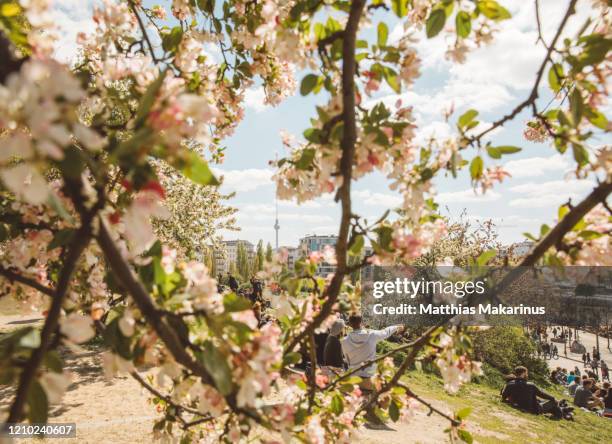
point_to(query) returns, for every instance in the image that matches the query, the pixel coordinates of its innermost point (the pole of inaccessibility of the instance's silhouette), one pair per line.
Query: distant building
(312, 243)
(229, 253)
(293, 254)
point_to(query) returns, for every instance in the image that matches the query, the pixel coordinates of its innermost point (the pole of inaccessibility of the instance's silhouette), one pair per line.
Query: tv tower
(276, 224)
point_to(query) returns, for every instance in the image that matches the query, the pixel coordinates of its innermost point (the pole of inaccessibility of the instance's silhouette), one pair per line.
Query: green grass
(518, 427)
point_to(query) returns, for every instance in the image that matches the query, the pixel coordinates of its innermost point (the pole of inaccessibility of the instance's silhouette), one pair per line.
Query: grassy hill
(508, 424)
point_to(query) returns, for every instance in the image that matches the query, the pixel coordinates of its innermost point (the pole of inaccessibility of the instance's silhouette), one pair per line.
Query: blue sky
(493, 80)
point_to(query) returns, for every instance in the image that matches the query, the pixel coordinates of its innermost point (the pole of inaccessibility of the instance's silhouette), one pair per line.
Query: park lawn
(491, 415)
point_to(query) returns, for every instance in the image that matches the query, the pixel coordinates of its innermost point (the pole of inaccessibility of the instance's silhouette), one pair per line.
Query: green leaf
(61, 238)
(476, 167)
(493, 10)
(596, 118)
(171, 40)
(198, 171)
(383, 33)
(394, 411)
(463, 413)
(337, 404)
(292, 358)
(555, 77)
(309, 82)
(233, 302)
(590, 234)
(463, 22)
(466, 118)
(38, 404)
(400, 7)
(216, 365)
(544, 228)
(305, 160)
(465, 436)
(576, 106)
(485, 257)
(581, 155)
(56, 204)
(392, 81)
(563, 210)
(493, 152)
(357, 246)
(435, 23)
(148, 99)
(10, 10)
(508, 149)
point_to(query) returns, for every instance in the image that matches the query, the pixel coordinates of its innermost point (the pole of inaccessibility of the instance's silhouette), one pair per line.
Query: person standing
(359, 347)
(605, 372)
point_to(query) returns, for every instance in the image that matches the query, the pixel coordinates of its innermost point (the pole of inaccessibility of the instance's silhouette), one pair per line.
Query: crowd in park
(589, 388)
(354, 351)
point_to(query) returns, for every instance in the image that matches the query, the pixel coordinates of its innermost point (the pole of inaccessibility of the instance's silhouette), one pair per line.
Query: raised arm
(386, 332)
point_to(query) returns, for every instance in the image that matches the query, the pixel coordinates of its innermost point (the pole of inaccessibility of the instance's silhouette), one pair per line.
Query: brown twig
(534, 92)
(81, 240)
(431, 408)
(16, 277)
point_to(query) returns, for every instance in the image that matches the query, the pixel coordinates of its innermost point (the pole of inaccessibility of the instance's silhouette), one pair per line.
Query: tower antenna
(276, 224)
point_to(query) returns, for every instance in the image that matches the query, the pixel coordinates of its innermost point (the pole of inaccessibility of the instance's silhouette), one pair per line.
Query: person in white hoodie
(359, 347)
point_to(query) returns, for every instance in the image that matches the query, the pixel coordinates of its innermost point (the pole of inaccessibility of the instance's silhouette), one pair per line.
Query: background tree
(269, 253)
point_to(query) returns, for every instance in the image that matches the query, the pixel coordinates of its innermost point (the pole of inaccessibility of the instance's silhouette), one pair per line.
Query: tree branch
(80, 242)
(142, 299)
(349, 138)
(16, 277)
(534, 92)
(431, 408)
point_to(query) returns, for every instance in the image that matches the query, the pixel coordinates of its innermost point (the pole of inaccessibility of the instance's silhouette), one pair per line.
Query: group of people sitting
(586, 394)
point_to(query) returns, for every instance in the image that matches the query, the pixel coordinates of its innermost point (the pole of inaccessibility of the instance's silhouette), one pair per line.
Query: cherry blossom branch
(81, 241)
(141, 297)
(155, 316)
(168, 399)
(533, 96)
(431, 408)
(555, 236)
(16, 277)
(144, 31)
(349, 137)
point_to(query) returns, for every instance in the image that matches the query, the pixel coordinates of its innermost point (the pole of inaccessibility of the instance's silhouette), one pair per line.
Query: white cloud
(536, 166)
(467, 196)
(245, 180)
(70, 17)
(254, 99)
(368, 197)
(549, 194)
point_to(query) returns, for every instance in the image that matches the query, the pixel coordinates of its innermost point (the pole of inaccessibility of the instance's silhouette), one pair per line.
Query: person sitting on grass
(570, 378)
(571, 389)
(585, 398)
(524, 395)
